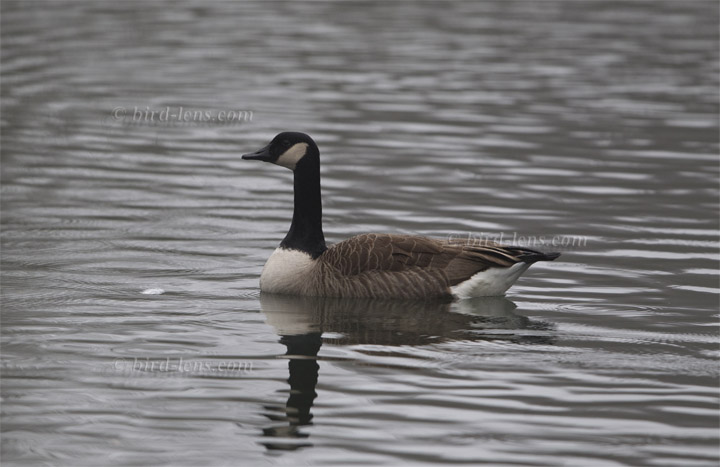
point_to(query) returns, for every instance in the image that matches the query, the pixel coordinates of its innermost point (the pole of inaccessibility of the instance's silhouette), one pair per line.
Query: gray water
(133, 330)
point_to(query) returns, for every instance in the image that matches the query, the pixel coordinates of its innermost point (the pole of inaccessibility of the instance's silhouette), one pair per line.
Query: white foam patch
(153, 292)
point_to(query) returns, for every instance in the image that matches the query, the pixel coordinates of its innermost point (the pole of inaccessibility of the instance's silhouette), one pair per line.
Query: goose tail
(532, 256)
(495, 281)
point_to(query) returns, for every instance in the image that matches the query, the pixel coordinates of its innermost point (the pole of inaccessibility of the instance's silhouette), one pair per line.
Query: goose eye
(281, 146)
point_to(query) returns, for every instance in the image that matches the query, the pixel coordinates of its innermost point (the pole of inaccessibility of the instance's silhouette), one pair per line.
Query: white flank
(291, 157)
(286, 272)
(491, 282)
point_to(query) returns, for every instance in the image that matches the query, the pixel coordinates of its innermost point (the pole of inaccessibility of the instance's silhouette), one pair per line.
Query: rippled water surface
(133, 331)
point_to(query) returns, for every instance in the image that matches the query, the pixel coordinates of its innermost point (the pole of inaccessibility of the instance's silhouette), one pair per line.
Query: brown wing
(408, 254)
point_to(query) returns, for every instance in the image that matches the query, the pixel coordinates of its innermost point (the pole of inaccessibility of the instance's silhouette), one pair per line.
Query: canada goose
(375, 265)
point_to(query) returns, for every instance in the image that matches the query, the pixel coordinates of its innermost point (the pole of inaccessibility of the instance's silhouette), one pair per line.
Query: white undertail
(490, 282)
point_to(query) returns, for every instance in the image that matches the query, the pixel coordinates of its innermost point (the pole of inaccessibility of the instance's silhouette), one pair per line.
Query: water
(133, 332)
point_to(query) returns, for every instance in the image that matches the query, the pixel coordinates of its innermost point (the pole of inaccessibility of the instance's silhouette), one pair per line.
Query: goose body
(375, 265)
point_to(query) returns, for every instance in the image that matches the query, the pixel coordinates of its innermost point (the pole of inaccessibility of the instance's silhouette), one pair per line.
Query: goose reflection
(301, 322)
(302, 350)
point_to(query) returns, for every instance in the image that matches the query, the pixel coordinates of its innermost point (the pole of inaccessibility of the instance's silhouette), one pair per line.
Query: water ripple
(442, 120)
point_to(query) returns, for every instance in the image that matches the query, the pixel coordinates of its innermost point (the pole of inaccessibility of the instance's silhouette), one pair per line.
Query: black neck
(306, 232)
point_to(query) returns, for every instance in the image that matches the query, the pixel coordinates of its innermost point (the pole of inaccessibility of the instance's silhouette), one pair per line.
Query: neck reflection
(302, 350)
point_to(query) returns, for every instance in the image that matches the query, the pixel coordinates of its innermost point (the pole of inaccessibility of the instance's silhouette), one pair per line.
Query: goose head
(288, 149)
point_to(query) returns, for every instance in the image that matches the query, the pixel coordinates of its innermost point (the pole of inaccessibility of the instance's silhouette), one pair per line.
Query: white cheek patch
(291, 157)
